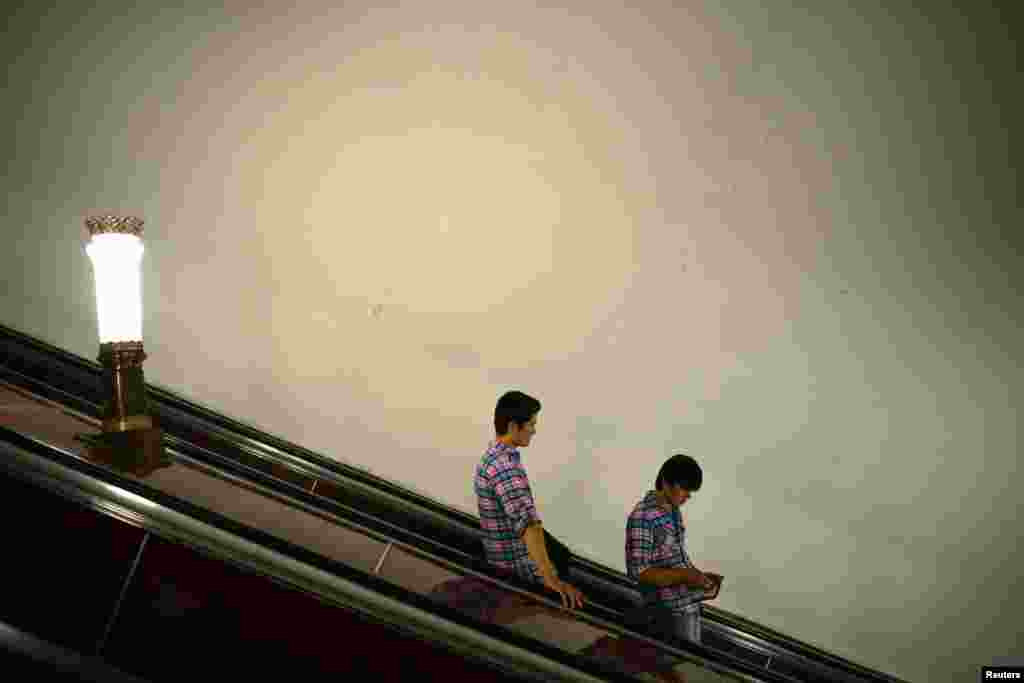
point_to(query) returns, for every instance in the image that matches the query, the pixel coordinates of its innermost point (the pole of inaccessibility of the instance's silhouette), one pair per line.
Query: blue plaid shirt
(506, 507)
(656, 537)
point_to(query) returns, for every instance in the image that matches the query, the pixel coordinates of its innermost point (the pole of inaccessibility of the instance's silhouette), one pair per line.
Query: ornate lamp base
(126, 408)
(130, 442)
(138, 452)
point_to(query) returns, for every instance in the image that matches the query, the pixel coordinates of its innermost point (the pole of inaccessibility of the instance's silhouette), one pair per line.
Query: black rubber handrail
(60, 660)
(203, 516)
(74, 382)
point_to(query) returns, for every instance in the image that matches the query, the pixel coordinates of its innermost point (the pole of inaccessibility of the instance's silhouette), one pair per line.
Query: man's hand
(571, 597)
(676, 576)
(575, 596)
(715, 585)
(694, 578)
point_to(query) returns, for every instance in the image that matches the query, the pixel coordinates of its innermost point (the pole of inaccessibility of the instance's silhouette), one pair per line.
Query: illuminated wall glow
(116, 261)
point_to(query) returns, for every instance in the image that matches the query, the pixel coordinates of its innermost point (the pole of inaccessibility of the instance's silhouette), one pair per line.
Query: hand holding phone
(711, 592)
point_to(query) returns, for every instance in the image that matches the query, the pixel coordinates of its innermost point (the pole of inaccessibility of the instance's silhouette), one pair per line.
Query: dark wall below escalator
(17, 666)
(64, 565)
(185, 616)
(31, 370)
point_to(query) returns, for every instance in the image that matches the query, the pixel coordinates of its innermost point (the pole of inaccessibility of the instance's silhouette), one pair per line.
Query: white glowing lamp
(115, 249)
(131, 440)
(116, 262)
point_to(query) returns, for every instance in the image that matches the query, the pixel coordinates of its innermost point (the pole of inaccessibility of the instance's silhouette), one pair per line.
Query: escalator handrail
(597, 613)
(409, 541)
(260, 444)
(137, 503)
(61, 659)
(467, 565)
(136, 506)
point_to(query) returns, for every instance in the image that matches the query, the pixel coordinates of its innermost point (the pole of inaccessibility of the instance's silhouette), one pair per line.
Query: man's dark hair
(514, 406)
(680, 470)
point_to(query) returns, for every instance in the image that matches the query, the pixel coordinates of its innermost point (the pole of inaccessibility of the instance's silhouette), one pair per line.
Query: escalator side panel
(202, 618)
(184, 613)
(74, 383)
(64, 565)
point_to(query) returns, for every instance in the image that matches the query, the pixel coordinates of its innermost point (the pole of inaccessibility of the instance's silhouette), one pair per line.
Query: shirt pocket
(666, 544)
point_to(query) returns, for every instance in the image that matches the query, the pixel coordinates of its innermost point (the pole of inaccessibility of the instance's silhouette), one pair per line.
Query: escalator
(162, 589)
(390, 545)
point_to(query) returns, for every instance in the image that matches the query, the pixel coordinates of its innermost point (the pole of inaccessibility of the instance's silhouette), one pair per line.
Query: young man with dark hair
(513, 536)
(657, 560)
(515, 542)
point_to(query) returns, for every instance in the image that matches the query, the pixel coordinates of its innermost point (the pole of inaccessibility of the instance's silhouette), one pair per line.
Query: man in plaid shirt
(657, 560)
(513, 535)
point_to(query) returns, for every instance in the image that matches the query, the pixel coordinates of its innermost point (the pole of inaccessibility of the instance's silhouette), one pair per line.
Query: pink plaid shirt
(506, 507)
(656, 537)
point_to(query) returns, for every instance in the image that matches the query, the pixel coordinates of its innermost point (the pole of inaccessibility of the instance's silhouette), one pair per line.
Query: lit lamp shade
(116, 261)
(131, 441)
(115, 249)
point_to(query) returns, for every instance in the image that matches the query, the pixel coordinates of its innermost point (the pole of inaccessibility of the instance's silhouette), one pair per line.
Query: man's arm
(640, 556)
(533, 536)
(513, 489)
(712, 581)
(659, 576)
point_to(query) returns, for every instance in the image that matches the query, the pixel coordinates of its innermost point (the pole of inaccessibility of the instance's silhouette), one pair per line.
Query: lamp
(130, 440)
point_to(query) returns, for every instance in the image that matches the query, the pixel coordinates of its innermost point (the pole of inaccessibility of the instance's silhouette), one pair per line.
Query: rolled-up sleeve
(639, 546)
(513, 490)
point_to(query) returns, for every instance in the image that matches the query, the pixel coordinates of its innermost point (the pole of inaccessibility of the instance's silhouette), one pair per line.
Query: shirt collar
(651, 501)
(497, 447)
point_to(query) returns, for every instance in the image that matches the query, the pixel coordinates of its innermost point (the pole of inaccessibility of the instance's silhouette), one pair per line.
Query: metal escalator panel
(244, 468)
(25, 657)
(172, 603)
(200, 598)
(305, 549)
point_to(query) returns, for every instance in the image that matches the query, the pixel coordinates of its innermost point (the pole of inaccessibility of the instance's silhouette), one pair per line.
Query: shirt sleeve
(686, 559)
(512, 487)
(639, 546)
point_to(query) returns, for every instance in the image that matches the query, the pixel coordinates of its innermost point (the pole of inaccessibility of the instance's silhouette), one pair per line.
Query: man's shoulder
(497, 460)
(645, 512)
